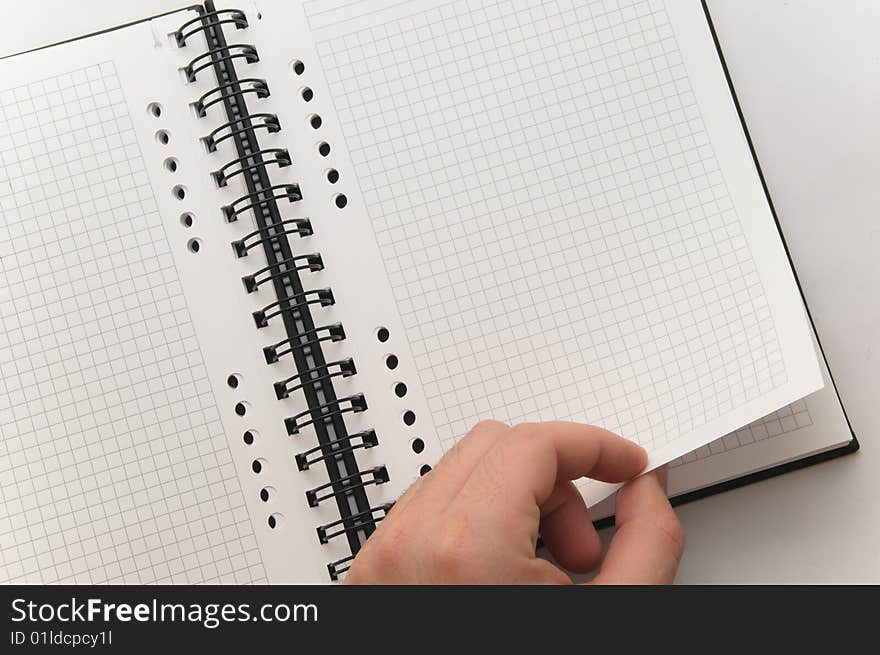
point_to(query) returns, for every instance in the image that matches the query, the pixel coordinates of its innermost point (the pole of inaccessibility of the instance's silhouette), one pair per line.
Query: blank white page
(554, 209)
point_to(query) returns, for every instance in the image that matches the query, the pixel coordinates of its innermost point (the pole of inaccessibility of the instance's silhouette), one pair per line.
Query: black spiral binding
(268, 122)
(314, 376)
(221, 92)
(311, 262)
(289, 192)
(313, 337)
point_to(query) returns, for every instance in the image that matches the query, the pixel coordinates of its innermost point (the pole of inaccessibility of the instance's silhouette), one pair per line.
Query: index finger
(528, 463)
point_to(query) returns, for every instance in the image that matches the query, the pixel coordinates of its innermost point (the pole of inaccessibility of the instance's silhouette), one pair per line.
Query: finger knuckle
(668, 524)
(448, 556)
(487, 426)
(523, 441)
(452, 457)
(494, 472)
(523, 429)
(389, 546)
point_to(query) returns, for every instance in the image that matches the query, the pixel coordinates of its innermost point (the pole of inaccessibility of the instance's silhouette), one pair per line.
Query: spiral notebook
(263, 265)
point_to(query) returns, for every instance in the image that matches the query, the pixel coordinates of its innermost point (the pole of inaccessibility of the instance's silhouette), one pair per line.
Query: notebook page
(554, 209)
(123, 456)
(78, 451)
(809, 426)
(114, 465)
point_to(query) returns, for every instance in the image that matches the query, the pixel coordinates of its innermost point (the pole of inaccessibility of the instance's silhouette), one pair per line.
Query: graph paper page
(114, 461)
(566, 217)
(808, 426)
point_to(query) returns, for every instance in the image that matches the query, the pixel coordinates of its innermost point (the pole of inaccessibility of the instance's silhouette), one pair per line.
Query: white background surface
(808, 76)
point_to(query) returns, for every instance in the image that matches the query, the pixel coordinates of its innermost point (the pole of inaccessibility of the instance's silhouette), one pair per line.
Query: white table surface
(808, 76)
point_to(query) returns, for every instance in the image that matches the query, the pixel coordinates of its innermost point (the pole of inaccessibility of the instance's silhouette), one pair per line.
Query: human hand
(475, 518)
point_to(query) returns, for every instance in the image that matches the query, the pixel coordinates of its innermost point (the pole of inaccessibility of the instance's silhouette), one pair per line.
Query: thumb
(649, 541)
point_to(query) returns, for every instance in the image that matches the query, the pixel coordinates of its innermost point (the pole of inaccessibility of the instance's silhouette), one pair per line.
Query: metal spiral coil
(356, 404)
(376, 475)
(223, 92)
(314, 376)
(374, 513)
(289, 192)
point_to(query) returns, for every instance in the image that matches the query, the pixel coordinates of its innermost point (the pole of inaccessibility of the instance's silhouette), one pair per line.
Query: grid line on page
(783, 421)
(553, 221)
(113, 462)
